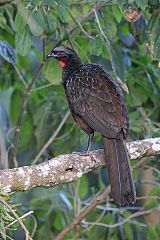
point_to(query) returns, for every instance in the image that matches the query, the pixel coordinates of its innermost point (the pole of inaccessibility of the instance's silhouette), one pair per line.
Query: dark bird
(96, 104)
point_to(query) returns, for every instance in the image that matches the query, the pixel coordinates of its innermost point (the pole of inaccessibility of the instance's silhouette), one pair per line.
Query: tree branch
(68, 168)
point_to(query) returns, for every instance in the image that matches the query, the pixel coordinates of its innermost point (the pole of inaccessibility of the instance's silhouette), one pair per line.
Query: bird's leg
(90, 140)
(87, 152)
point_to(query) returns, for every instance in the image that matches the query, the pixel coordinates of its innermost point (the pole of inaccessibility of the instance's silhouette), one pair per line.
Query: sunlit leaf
(117, 13)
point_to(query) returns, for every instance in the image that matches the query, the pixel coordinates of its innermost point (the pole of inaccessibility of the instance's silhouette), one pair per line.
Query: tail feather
(122, 186)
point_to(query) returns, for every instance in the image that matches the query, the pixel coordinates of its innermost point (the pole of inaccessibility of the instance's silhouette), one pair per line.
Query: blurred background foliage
(124, 37)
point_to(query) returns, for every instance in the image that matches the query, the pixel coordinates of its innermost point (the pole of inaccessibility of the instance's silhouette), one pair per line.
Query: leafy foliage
(130, 51)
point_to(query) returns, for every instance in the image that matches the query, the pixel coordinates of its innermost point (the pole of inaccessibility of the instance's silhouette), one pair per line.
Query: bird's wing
(97, 99)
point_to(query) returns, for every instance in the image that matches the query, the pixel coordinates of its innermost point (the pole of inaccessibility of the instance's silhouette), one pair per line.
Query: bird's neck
(71, 66)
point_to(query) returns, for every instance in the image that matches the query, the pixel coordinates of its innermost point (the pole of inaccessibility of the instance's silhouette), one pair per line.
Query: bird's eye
(62, 53)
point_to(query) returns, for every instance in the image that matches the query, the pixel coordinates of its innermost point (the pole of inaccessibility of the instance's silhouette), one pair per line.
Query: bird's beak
(51, 54)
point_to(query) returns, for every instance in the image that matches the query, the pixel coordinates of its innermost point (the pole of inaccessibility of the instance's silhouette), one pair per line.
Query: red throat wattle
(62, 63)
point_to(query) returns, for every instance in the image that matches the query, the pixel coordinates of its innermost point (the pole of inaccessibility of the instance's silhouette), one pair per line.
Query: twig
(52, 138)
(97, 220)
(41, 88)
(137, 223)
(79, 25)
(148, 197)
(152, 168)
(142, 162)
(7, 237)
(77, 235)
(17, 217)
(35, 226)
(150, 182)
(99, 198)
(22, 217)
(20, 76)
(137, 214)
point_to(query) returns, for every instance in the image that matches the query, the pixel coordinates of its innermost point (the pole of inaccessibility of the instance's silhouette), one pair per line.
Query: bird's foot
(85, 153)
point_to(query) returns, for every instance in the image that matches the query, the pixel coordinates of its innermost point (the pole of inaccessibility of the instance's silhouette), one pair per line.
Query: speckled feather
(96, 97)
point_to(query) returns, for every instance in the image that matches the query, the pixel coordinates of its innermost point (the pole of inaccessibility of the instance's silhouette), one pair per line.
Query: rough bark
(68, 168)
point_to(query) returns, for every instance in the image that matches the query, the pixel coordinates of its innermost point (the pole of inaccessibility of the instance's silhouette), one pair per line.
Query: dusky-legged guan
(96, 104)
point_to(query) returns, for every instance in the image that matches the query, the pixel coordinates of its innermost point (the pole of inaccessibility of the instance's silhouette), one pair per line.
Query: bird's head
(63, 55)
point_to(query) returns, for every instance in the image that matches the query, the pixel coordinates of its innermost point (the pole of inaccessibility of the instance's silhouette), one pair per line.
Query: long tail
(122, 186)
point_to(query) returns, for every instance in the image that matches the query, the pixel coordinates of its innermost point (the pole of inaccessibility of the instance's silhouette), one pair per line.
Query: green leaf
(117, 13)
(9, 17)
(20, 22)
(2, 229)
(16, 100)
(7, 217)
(128, 231)
(153, 35)
(62, 13)
(23, 41)
(125, 28)
(83, 187)
(42, 124)
(138, 96)
(95, 46)
(48, 2)
(152, 233)
(154, 2)
(7, 52)
(142, 4)
(26, 135)
(50, 23)
(135, 129)
(36, 23)
(2, 21)
(53, 72)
